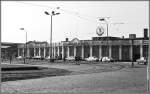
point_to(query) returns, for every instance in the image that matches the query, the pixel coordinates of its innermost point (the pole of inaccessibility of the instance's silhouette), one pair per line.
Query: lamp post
(148, 65)
(25, 55)
(132, 52)
(52, 14)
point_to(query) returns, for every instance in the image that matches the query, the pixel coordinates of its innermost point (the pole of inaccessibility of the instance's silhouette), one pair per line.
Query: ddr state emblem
(100, 31)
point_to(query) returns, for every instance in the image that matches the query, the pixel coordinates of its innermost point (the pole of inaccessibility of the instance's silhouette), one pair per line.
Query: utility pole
(25, 48)
(148, 65)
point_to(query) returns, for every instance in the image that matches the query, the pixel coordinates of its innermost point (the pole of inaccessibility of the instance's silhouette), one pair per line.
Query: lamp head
(46, 13)
(102, 19)
(21, 28)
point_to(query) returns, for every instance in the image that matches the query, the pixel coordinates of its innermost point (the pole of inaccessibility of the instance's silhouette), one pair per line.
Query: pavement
(124, 80)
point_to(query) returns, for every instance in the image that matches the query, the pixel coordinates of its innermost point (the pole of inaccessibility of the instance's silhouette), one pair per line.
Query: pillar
(62, 52)
(44, 52)
(141, 50)
(75, 51)
(39, 51)
(23, 52)
(34, 52)
(110, 51)
(50, 51)
(54, 51)
(131, 52)
(91, 51)
(18, 52)
(82, 52)
(58, 51)
(100, 51)
(120, 52)
(28, 52)
(68, 51)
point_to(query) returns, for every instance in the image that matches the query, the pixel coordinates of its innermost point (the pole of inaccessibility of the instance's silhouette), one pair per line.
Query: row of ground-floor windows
(117, 52)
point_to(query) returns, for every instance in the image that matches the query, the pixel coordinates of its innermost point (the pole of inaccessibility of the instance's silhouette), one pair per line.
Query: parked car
(100, 58)
(142, 60)
(70, 58)
(78, 58)
(52, 59)
(19, 57)
(48, 57)
(93, 58)
(37, 57)
(107, 59)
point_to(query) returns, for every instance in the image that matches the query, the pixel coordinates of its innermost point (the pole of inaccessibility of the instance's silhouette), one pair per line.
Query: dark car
(78, 58)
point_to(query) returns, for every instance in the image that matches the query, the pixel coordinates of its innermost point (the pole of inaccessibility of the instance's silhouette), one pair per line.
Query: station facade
(122, 49)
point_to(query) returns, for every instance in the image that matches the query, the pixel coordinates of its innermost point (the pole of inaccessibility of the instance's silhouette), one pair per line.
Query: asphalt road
(125, 80)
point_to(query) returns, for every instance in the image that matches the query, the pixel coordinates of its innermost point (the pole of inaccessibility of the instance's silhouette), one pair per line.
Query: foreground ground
(86, 79)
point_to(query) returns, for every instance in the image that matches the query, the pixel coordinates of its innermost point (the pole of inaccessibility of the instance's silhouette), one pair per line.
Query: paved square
(126, 80)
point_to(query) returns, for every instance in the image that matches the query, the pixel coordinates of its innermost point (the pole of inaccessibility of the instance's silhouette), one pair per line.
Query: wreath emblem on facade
(100, 31)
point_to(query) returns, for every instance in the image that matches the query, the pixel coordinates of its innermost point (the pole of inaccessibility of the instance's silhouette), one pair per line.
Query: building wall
(95, 50)
(71, 50)
(115, 52)
(78, 51)
(136, 52)
(125, 53)
(86, 51)
(145, 51)
(105, 51)
(117, 49)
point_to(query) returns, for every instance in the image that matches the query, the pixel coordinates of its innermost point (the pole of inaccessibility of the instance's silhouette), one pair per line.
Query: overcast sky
(77, 19)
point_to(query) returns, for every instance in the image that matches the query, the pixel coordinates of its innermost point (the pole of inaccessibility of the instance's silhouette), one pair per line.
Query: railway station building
(121, 49)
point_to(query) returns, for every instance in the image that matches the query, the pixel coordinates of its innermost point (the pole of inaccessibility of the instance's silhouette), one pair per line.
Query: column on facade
(110, 51)
(18, 52)
(23, 52)
(34, 52)
(39, 51)
(131, 52)
(58, 50)
(141, 50)
(28, 52)
(68, 51)
(91, 51)
(75, 51)
(54, 51)
(44, 52)
(100, 51)
(50, 51)
(62, 51)
(120, 52)
(82, 52)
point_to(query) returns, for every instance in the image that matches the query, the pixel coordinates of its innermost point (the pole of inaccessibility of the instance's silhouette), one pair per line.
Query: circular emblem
(100, 31)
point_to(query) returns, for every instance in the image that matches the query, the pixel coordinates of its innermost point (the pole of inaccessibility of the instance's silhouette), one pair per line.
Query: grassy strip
(30, 74)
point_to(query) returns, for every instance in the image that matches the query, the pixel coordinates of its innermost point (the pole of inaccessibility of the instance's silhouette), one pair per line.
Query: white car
(37, 57)
(106, 59)
(141, 60)
(70, 58)
(93, 58)
(48, 57)
(19, 57)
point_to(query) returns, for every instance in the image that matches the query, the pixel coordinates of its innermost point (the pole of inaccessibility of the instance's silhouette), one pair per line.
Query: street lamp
(25, 45)
(52, 14)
